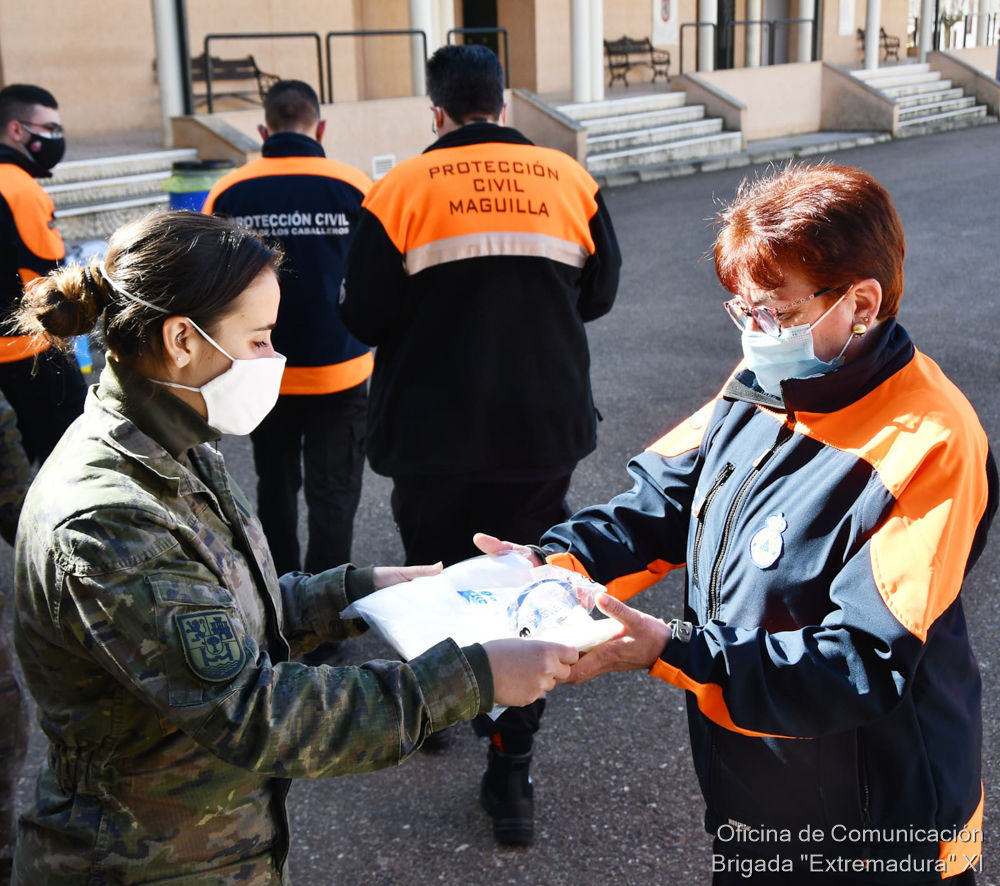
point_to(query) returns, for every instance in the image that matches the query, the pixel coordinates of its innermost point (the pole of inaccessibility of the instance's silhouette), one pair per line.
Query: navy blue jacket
(295, 195)
(829, 675)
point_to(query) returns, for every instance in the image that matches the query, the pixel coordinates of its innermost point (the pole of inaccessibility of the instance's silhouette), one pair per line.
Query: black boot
(507, 795)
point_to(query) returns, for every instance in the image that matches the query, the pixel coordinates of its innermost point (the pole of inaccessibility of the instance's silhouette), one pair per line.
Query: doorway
(481, 14)
(724, 33)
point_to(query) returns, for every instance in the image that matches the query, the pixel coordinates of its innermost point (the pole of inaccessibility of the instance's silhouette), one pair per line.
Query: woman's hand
(384, 576)
(636, 649)
(490, 544)
(525, 669)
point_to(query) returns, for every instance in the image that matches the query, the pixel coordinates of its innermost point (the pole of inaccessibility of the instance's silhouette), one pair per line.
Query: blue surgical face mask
(790, 354)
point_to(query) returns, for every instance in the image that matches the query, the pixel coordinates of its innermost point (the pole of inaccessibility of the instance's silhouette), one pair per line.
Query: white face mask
(789, 355)
(238, 400)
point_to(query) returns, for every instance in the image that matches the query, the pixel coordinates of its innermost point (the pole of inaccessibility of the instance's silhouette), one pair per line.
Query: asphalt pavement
(617, 799)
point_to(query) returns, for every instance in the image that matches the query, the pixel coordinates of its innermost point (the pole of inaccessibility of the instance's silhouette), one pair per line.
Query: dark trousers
(47, 395)
(437, 517)
(326, 434)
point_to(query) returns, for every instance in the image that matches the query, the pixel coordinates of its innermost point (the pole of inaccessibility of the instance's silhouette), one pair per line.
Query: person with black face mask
(45, 388)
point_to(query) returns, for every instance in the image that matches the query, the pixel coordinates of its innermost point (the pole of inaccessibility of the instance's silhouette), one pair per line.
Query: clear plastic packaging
(487, 598)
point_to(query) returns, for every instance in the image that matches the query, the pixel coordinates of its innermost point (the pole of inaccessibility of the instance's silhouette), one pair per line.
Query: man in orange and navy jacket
(475, 267)
(311, 204)
(45, 388)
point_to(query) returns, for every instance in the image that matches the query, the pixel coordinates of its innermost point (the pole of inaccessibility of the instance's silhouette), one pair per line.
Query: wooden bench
(229, 71)
(626, 53)
(889, 44)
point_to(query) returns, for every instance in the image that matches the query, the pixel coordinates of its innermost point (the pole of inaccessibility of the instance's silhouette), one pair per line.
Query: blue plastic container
(191, 181)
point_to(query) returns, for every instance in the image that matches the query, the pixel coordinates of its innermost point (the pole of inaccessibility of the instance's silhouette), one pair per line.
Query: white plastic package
(487, 598)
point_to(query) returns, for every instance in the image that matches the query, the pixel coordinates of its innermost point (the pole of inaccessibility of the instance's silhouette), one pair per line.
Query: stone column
(168, 66)
(751, 40)
(807, 9)
(597, 50)
(580, 14)
(926, 37)
(421, 19)
(708, 11)
(873, 21)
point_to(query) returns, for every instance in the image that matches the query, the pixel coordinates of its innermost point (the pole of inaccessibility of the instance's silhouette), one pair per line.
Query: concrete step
(636, 104)
(929, 98)
(646, 120)
(938, 108)
(89, 221)
(106, 190)
(891, 71)
(620, 141)
(943, 122)
(715, 145)
(916, 89)
(116, 167)
(884, 84)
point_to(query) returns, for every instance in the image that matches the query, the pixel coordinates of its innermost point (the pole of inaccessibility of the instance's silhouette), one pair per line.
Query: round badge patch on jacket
(767, 543)
(211, 647)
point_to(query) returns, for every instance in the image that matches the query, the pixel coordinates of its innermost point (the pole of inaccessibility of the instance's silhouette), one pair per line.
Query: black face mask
(45, 151)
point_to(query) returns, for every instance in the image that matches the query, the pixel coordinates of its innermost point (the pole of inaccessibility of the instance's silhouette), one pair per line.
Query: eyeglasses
(53, 130)
(768, 319)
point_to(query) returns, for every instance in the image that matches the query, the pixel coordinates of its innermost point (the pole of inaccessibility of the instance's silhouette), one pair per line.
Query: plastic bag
(487, 598)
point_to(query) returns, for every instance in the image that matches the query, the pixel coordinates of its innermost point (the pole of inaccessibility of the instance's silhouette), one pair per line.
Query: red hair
(834, 224)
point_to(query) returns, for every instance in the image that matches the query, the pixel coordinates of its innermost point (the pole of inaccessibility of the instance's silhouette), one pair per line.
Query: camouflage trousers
(13, 736)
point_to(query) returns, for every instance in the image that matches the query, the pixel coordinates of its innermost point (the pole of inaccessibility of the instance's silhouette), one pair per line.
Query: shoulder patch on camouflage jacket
(212, 648)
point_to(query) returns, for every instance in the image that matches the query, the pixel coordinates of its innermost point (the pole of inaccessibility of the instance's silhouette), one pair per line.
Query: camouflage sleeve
(313, 604)
(15, 471)
(169, 633)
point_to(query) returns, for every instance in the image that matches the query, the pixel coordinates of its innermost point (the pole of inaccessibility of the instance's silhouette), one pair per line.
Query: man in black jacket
(44, 387)
(474, 269)
(294, 194)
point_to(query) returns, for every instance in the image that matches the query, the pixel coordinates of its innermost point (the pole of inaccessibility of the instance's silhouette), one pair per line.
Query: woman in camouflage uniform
(152, 628)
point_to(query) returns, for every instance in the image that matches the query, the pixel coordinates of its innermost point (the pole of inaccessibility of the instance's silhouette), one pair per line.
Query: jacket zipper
(700, 512)
(784, 435)
(866, 814)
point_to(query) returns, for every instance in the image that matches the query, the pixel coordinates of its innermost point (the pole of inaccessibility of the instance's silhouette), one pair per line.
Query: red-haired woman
(828, 505)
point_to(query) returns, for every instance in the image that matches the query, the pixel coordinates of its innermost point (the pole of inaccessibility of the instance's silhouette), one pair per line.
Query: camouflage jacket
(15, 472)
(152, 631)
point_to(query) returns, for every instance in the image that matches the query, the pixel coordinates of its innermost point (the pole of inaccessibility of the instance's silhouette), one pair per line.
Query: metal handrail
(260, 36)
(391, 32)
(715, 41)
(506, 46)
(789, 21)
(753, 21)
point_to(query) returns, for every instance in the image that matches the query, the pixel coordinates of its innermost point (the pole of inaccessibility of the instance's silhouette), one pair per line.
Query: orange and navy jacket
(474, 269)
(30, 245)
(827, 536)
(295, 195)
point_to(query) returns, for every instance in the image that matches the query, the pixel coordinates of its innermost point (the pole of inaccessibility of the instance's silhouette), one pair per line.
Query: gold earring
(860, 328)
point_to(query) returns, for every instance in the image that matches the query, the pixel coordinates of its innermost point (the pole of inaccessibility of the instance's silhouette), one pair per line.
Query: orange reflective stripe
(327, 379)
(923, 438)
(624, 586)
(490, 187)
(266, 166)
(709, 698)
(495, 243)
(962, 855)
(20, 347)
(567, 561)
